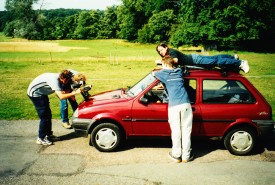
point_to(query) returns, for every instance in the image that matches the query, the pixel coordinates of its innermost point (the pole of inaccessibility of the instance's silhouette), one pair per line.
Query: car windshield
(141, 85)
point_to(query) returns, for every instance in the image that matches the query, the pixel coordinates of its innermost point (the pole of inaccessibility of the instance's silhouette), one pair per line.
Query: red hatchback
(225, 106)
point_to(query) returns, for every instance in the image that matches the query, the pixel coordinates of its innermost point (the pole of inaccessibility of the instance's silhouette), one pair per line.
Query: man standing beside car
(38, 91)
(180, 114)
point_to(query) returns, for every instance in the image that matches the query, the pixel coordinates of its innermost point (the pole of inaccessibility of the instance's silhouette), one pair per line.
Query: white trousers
(180, 120)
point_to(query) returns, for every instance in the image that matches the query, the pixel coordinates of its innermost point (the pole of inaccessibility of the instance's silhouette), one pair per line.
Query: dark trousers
(42, 106)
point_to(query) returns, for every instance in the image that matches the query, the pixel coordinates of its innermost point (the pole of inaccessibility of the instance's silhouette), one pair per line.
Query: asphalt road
(143, 162)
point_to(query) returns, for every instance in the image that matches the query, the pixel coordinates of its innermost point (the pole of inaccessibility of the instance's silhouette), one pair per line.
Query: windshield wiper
(130, 93)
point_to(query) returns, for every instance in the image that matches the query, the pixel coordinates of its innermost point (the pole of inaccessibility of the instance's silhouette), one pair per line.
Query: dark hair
(66, 74)
(164, 45)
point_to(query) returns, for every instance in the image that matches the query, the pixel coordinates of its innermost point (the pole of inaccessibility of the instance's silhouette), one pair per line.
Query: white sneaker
(44, 141)
(244, 66)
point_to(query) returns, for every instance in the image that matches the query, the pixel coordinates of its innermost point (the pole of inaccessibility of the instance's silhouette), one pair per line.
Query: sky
(75, 4)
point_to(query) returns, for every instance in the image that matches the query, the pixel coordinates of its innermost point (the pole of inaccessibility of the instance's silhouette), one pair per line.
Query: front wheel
(240, 141)
(106, 137)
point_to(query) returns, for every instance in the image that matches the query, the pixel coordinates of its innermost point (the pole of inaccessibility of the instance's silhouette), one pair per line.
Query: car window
(141, 85)
(226, 91)
(158, 94)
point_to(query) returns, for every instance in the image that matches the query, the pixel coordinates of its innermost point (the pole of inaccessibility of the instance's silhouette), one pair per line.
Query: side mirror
(144, 101)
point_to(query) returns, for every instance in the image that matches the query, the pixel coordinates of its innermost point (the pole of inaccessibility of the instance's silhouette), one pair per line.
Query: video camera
(77, 85)
(84, 89)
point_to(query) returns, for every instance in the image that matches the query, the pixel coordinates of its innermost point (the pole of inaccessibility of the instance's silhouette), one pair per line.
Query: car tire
(240, 141)
(106, 137)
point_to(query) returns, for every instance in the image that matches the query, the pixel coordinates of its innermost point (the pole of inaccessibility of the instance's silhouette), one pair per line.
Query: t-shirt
(172, 78)
(44, 84)
(182, 58)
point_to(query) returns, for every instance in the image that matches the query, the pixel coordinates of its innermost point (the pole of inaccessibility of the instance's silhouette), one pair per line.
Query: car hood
(106, 97)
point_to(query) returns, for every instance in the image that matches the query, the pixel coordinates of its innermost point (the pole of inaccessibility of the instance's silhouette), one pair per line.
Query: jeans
(42, 106)
(180, 120)
(221, 60)
(64, 108)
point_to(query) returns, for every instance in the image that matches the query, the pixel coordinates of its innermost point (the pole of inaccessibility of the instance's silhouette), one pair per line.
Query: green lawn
(108, 64)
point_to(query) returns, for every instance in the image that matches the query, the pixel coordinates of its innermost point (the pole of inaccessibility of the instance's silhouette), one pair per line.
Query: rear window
(226, 91)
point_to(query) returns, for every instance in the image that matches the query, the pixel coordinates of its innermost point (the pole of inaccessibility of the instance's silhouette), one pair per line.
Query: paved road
(142, 162)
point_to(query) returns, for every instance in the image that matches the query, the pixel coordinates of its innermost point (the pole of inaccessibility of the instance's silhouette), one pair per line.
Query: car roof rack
(224, 70)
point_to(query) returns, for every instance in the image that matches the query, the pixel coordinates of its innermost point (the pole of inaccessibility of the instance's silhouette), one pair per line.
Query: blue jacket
(172, 78)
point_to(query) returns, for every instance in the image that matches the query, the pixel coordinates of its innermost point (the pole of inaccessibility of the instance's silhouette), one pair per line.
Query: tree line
(234, 24)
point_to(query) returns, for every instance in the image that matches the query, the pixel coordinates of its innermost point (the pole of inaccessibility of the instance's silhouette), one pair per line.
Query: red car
(225, 105)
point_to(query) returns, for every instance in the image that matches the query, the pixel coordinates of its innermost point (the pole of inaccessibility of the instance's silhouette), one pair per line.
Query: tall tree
(226, 23)
(127, 24)
(134, 14)
(158, 27)
(88, 25)
(108, 24)
(24, 19)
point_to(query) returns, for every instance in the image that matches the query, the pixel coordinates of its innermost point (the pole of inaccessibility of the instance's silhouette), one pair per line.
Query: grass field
(108, 64)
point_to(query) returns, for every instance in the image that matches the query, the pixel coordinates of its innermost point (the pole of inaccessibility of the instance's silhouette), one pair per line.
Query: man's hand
(158, 62)
(77, 91)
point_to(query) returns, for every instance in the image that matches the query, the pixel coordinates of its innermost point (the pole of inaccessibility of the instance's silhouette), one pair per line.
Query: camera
(85, 92)
(77, 85)
(86, 88)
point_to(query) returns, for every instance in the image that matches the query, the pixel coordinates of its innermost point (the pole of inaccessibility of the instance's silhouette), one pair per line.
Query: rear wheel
(106, 137)
(240, 141)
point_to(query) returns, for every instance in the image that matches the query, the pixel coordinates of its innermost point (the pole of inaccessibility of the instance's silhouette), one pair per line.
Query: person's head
(80, 78)
(65, 76)
(167, 61)
(162, 49)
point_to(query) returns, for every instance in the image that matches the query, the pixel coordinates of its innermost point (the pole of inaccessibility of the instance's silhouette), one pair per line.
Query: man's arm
(63, 96)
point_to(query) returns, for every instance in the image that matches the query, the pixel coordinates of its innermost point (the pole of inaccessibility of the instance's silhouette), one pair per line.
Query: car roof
(212, 73)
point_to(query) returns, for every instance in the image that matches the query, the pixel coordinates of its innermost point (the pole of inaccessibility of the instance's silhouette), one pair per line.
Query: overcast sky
(76, 4)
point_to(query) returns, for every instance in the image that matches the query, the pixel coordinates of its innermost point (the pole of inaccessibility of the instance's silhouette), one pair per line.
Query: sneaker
(236, 56)
(66, 125)
(44, 141)
(191, 158)
(244, 66)
(176, 159)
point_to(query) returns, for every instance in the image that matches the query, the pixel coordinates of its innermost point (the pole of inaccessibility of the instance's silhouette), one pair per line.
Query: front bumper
(81, 126)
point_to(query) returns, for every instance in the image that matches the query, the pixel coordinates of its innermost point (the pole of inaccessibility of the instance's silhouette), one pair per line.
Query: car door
(150, 117)
(223, 102)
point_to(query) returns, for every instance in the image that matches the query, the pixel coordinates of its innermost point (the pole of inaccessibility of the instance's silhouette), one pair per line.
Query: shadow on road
(200, 146)
(69, 136)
